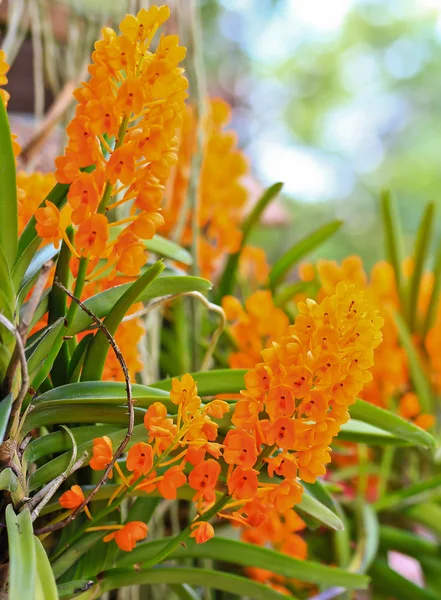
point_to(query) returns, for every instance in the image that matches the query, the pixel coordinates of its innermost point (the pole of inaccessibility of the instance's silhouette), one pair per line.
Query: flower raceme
(121, 145)
(294, 403)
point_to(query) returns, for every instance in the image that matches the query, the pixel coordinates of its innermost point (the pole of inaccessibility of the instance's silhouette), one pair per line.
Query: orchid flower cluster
(294, 403)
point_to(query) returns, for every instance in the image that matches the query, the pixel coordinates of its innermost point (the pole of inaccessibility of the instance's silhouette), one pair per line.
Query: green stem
(109, 187)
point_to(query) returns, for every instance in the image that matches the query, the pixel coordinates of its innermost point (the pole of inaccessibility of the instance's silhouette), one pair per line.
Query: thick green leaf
(68, 413)
(393, 235)
(363, 433)
(22, 557)
(99, 347)
(392, 584)
(241, 586)
(8, 191)
(406, 542)
(60, 441)
(419, 378)
(378, 417)
(102, 303)
(5, 411)
(102, 392)
(312, 507)
(228, 278)
(8, 480)
(46, 588)
(75, 552)
(422, 244)
(300, 249)
(168, 249)
(410, 495)
(240, 553)
(7, 286)
(39, 351)
(219, 381)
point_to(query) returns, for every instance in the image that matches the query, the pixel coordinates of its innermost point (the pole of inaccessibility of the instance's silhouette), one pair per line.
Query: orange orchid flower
(102, 454)
(127, 537)
(73, 498)
(202, 532)
(140, 459)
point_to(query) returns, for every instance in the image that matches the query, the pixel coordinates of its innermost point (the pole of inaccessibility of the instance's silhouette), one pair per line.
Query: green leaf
(77, 360)
(428, 514)
(300, 249)
(101, 392)
(392, 584)
(218, 381)
(38, 352)
(309, 505)
(59, 441)
(378, 417)
(434, 296)
(228, 278)
(392, 538)
(249, 555)
(168, 249)
(5, 411)
(22, 558)
(393, 239)
(367, 538)
(72, 555)
(53, 468)
(46, 588)
(102, 303)
(39, 259)
(7, 287)
(419, 378)
(206, 578)
(363, 433)
(410, 495)
(8, 191)
(99, 347)
(8, 480)
(422, 244)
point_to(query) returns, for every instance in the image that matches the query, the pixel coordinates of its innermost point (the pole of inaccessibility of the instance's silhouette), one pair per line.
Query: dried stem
(121, 447)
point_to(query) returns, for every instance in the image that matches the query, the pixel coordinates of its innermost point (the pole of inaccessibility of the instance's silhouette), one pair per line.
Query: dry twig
(121, 447)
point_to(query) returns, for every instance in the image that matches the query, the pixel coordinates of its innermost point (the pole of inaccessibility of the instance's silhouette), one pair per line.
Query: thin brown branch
(131, 411)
